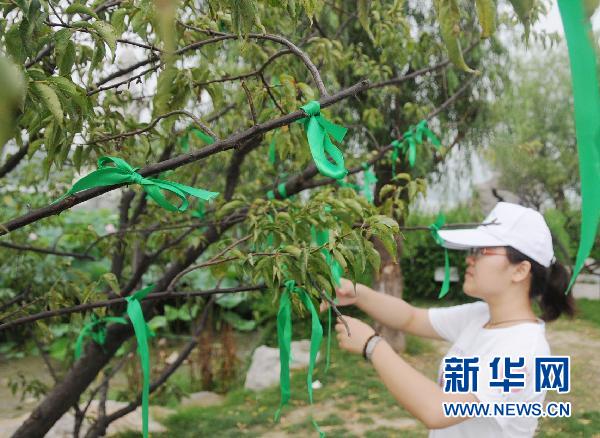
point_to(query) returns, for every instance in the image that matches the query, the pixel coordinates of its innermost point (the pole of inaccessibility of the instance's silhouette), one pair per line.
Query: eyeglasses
(478, 252)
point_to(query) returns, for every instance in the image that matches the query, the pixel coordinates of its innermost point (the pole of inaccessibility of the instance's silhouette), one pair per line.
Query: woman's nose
(470, 260)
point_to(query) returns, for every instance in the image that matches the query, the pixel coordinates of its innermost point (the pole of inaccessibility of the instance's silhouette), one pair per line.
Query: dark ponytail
(548, 286)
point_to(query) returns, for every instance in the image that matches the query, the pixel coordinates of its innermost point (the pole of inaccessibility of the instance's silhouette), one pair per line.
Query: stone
(202, 399)
(264, 369)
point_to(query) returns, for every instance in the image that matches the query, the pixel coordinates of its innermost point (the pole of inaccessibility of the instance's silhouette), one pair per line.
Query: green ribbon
(343, 183)
(284, 334)
(200, 211)
(318, 132)
(586, 97)
(272, 145)
(410, 139)
(142, 332)
(280, 189)
(321, 237)
(435, 227)
(185, 139)
(123, 173)
(96, 329)
(370, 180)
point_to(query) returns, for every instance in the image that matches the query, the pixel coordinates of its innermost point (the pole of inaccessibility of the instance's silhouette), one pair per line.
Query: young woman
(510, 264)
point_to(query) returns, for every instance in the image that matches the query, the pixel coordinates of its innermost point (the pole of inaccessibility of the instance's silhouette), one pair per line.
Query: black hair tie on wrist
(364, 352)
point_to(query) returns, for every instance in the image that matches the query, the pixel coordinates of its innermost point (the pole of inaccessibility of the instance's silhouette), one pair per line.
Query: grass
(589, 310)
(350, 379)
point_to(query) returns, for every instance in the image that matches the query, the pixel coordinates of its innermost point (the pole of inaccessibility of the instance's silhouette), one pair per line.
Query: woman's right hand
(345, 294)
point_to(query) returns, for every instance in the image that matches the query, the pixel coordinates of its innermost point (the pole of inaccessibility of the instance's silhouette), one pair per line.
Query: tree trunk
(390, 281)
(66, 393)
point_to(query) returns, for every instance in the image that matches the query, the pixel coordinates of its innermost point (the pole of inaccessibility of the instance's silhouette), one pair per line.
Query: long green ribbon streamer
(321, 237)
(410, 139)
(96, 329)
(284, 333)
(272, 145)
(586, 97)
(185, 139)
(123, 173)
(142, 332)
(435, 227)
(318, 132)
(370, 180)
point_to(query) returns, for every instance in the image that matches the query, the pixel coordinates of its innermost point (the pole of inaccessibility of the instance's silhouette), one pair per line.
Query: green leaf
(78, 8)
(293, 250)
(229, 301)
(238, 322)
(66, 59)
(486, 12)
(50, 100)
(364, 6)
(107, 33)
(117, 20)
(158, 322)
(112, 282)
(448, 15)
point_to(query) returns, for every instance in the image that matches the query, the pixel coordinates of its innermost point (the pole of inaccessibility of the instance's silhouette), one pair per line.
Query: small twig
(114, 301)
(153, 123)
(212, 261)
(250, 102)
(334, 307)
(45, 251)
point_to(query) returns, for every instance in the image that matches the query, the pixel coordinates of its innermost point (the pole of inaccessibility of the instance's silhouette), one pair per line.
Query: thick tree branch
(178, 161)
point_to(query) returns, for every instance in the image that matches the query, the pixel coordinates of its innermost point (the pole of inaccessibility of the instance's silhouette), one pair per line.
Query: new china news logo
(506, 375)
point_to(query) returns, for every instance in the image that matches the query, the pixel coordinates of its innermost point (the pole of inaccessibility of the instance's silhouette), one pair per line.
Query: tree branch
(178, 161)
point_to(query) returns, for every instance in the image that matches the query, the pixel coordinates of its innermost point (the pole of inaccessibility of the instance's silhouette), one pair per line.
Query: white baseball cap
(513, 225)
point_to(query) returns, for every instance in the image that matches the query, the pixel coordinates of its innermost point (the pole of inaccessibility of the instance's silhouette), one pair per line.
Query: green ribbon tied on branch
(113, 170)
(272, 147)
(586, 98)
(96, 329)
(370, 180)
(184, 141)
(318, 132)
(280, 189)
(321, 237)
(142, 333)
(284, 334)
(435, 227)
(410, 139)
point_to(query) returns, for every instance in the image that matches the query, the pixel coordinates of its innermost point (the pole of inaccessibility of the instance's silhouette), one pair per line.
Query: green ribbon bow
(284, 334)
(586, 97)
(370, 180)
(123, 173)
(185, 139)
(318, 131)
(142, 332)
(96, 329)
(410, 139)
(435, 227)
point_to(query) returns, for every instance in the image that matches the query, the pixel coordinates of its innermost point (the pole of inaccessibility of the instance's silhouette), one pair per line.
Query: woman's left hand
(359, 333)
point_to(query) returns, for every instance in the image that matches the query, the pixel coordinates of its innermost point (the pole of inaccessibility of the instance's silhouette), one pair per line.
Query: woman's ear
(521, 271)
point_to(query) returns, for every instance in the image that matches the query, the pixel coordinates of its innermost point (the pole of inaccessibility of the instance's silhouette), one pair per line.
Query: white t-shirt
(463, 327)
